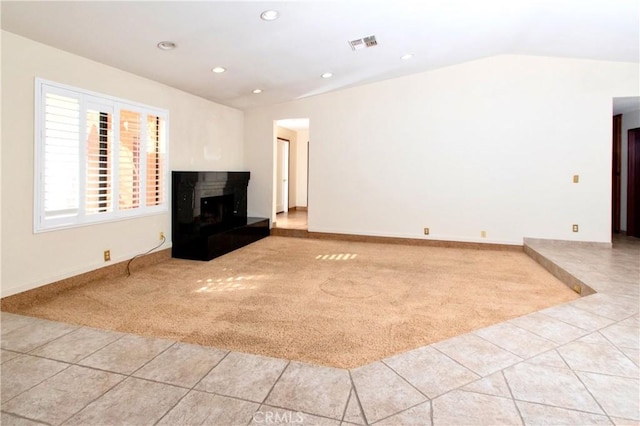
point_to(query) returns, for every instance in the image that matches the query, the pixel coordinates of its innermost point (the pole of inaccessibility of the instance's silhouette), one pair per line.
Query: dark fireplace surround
(209, 214)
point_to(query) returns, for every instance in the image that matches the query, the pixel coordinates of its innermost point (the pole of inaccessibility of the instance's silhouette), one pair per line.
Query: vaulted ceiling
(285, 58)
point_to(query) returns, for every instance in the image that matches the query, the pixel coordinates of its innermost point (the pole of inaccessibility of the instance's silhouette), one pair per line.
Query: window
(98, 158)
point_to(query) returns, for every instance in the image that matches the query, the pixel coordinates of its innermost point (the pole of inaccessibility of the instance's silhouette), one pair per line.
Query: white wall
(630, 120)
(203, 136)
(486, 145)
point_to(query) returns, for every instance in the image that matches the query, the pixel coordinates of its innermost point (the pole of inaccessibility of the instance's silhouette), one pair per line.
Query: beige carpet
(342, 304)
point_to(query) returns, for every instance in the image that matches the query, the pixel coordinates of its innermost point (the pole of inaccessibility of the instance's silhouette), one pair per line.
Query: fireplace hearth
(209, 214)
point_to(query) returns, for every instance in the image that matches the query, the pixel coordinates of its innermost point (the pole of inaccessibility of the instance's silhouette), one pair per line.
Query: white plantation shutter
(129, 160)
(61, 170)
(98, 158)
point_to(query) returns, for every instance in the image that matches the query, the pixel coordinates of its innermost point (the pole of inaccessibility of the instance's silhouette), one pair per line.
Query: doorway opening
(625, 195)
(291, 174)
(282, 175)
(633, 183)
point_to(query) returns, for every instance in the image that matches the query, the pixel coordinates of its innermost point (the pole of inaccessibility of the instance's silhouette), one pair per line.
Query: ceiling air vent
(363, 43)
(370, 41)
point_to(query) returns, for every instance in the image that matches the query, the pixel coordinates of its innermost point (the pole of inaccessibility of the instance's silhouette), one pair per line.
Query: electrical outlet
(575, 228)
(426, 231)
(161, 235)
(107, 255)
(483, 234)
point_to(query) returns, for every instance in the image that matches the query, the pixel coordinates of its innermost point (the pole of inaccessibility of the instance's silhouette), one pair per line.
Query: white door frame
(282, 175)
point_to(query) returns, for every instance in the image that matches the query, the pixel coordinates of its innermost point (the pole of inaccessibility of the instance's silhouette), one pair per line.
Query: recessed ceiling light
(219, 70)
(166, 45)
(269, 15)
(327, 75)
(256, 91)
(407, 56)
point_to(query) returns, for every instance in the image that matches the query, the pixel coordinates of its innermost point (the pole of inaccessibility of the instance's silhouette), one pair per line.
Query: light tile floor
(576, 363)
(294, 219)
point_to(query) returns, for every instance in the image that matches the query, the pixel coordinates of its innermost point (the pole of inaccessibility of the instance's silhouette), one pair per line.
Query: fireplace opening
(217, 210)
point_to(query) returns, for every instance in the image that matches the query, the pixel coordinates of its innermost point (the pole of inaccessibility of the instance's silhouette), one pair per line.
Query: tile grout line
(598, 331)
(13, 352)
(604, 413)
(189, 390)
(617, 347)
(480, 376)
(614, 346)
(20, 327)
(459, 388)
(253, 416)
(553, 319)
(83, 358)
(48, 341)
(567, 366)
(40, 382)
(144, 364)
(344, 412)
(604, 374)
(522, 358)
(126, 376)
(94, 399)
(431, 411)
(355, 393)
(89, 367)
(215, 393)
(210, 370)
(19, 416)
(512, 396)
(402, 411)
(478, 392)
(523, 361)
(575, 410)
(628, 356)
(600, 304)
(404, 379)
(264, 401)
(587, 389)
(583, 310)
(561, 357)
(198, 390)
(172, 407)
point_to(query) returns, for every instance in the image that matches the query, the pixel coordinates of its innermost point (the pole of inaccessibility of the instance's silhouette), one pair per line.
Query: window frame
(87, 99)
